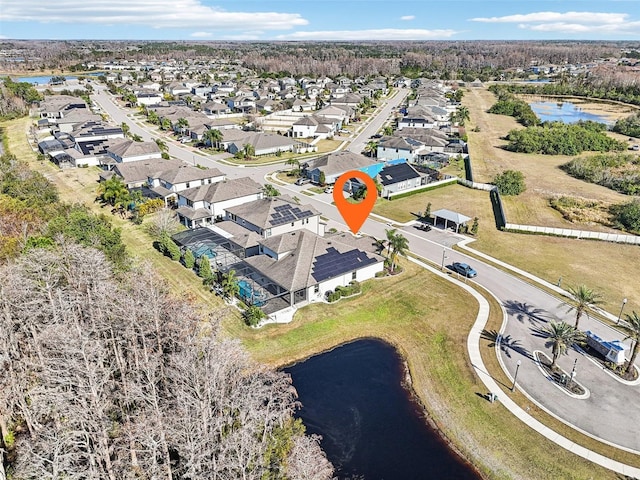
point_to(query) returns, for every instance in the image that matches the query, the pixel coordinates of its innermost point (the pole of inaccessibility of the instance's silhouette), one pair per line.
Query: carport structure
(450, 216)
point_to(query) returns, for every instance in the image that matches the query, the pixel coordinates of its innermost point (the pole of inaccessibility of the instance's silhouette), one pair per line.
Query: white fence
(559, 232)
(566, 232)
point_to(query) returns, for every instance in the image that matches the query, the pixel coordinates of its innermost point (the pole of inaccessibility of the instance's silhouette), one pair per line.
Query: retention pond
(372, 429)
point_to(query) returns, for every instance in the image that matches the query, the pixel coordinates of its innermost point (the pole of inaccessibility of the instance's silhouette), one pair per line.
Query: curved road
(607, 413)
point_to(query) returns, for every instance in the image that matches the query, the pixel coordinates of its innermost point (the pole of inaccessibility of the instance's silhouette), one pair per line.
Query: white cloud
(380, 34)
(150, 13)
(201, 34)
(408, 17)
(629, 27)
(570, 22)
(579, 17)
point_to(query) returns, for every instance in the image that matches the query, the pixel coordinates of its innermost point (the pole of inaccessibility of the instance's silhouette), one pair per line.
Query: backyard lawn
(428, 321)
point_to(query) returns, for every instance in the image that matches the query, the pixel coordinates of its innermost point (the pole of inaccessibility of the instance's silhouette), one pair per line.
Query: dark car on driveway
(464, 269)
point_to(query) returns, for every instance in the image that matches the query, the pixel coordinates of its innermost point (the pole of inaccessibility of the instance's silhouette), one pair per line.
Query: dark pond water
(371, 429)
(566, 112)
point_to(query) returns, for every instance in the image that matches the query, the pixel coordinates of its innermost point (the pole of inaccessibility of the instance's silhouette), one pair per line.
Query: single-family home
(299, 267)
(130, 151)
(275, 215)
(399, 177)
(202, 205)
(335, 164)
(167, 183)
(136, 174)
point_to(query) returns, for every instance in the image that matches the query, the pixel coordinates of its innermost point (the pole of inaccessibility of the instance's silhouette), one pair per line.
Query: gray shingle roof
(312, 260)
(339, 162)
(273, 211)
(220, 191)
(187, 173)
(139, 171)
(129, 148)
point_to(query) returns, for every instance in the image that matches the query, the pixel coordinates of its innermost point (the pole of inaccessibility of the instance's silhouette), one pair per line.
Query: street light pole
(515, 377)
(624, 302)
(573, 372)
(444, 257)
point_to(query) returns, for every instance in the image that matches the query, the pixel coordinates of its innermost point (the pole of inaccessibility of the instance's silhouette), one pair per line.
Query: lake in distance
(563, 111)
(372, 429)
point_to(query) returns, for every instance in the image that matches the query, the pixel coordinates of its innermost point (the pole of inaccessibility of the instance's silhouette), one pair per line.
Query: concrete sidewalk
(473, 347)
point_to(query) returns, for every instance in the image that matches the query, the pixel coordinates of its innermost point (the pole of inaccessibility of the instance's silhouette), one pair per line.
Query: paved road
(608, 411)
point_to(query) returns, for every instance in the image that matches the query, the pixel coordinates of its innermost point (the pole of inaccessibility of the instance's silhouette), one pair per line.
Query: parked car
(302, 181)
(464, 269)
(424, 227)
(635, 148)
(329, 189)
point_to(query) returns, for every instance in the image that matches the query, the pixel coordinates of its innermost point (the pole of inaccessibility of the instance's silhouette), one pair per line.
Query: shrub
(252, 315)
(510, 182)
(204, 268)
(627, 216)
(557, 138)
(188, 259)
(169, 248)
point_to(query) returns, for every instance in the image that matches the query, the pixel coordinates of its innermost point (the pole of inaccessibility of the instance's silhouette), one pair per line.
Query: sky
(299, 20)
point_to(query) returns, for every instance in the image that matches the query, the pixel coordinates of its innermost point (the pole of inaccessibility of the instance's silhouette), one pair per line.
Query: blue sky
(320, 19)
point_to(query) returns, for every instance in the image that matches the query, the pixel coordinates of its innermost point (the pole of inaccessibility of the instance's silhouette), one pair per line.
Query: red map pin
(354, 214)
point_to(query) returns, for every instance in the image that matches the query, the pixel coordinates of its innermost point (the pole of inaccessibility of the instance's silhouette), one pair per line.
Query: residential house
(202, 205)
(73, 118)
(300, 267)
(266, 143)
(398, 147)
(315, 126)
(130, 151)
(136, 174)
(399, 177)
(335, 164)
(167, 183)
(215, 108)
(148, 98)
(272, 216)
(57, 106)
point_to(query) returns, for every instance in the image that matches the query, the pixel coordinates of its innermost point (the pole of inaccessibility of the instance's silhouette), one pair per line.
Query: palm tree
(560, 337)
(583, 298)
(371, 148)
(162, 145)
(153, 117)
(165, 124)
(113, 191)
(399, 246)
(182, 124)
(294, 162)
(388, 130)
(125, 129)
(632, 329)
(213, 136)
(390, 236)
(249, 151)
(230, 285)
(463, 115)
